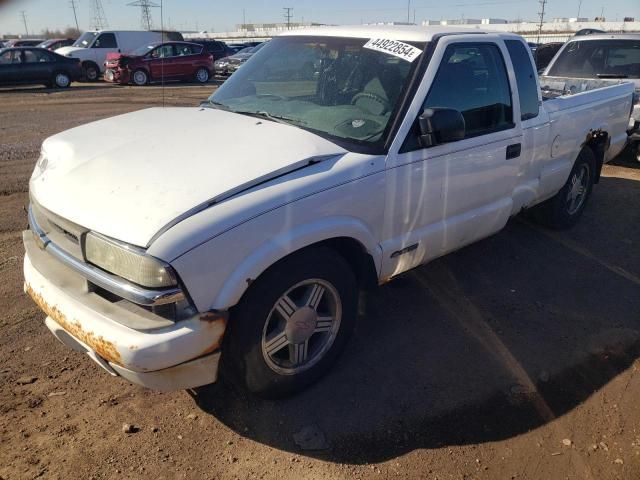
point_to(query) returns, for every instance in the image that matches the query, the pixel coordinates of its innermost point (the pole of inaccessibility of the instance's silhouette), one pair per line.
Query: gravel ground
(514, 358)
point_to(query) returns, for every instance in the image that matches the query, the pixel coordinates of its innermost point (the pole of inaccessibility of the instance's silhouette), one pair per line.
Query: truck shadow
(482, 345)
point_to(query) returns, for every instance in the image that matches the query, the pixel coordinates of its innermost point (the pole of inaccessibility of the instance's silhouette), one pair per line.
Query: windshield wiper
(272, 117)
(213, 104)
(611, 75)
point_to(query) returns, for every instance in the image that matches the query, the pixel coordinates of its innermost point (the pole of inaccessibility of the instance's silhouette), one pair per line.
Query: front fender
(276, 248)
(221, 285)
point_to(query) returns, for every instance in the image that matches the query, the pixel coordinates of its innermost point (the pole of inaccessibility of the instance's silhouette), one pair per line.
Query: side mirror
(440, 125)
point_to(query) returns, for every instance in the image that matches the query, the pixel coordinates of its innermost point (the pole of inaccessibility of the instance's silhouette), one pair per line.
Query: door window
(525, 78)
(36, 56)
(10, 56)
(472, 79)
(164, 51)
(105, 40)
(182, 50)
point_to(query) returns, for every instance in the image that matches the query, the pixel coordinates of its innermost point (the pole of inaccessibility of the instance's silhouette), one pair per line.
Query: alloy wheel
(301, 327)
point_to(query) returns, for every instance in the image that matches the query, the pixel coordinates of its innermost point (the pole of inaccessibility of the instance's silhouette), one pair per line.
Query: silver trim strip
(112, 283)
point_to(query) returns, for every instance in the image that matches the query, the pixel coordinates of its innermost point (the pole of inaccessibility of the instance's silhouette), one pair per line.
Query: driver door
(443, 197)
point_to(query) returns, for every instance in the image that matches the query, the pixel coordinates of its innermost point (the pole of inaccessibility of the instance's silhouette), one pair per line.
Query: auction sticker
(394, 47)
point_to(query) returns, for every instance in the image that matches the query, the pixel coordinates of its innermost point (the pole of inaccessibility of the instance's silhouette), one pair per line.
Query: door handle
(513, 151)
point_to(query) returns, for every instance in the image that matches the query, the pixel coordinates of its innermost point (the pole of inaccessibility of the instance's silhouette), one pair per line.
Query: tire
(61, 80)
(91, 72)
(202, 75)
(272, 356)
(140, 78)
(563, 210)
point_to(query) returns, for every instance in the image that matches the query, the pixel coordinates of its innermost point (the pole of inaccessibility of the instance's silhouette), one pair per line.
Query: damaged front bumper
(122, 338)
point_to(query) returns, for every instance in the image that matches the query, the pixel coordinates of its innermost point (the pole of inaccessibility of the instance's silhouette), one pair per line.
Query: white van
(92, 47)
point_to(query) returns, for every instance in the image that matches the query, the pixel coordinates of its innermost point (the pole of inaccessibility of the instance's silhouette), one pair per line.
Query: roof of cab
(409, 33)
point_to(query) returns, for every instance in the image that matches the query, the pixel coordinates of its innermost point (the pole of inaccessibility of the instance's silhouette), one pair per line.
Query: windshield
(85, 40)
(344, 89)
(599, 59)
(140, 51)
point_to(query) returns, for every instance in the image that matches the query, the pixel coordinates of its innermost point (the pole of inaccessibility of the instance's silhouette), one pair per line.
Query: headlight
(128, 262)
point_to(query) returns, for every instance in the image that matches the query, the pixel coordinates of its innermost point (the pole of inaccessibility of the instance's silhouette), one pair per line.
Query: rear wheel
(292, 324)
(564, 209)
(140, 77)
(202, 75)
(61, 80)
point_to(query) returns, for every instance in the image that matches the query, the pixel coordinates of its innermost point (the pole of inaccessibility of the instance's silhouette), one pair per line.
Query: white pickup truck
(334, 160)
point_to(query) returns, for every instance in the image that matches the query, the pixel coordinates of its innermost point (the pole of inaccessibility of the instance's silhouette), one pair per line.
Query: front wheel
(292, 323)
(565, 208)
(91, 72)
(140, 78)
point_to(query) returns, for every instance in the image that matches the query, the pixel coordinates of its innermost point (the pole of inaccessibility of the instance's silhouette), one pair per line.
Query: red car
(160, 61)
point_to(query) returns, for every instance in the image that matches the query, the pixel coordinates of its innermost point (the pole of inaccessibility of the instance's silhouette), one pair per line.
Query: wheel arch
(346, 236)
(598, 141)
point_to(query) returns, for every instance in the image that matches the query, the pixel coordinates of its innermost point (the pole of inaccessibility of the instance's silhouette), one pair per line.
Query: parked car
(588, 31)
(158, 61)
(544, 53)
(598, 58)
(54, 43)
(27, 42)
(29, 65)
(92, 47)
(153, 236)
(228, 65)
(216, 48)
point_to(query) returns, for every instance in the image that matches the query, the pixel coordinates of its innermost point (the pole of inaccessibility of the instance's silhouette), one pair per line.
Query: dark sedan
(228, 65)
(24, 65)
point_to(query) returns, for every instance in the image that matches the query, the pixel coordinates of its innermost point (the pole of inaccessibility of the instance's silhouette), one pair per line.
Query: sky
(223, 15)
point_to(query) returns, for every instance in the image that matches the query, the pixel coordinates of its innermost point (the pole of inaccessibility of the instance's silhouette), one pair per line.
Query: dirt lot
(515, 358)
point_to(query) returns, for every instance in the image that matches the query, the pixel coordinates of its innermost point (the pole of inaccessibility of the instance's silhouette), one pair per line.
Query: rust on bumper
(102, 347)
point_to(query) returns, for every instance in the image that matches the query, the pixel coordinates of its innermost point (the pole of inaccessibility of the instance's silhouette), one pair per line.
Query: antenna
(542, 3)
(145, 12)
(99, 20)
(288, 16)
(73, 6)
(23, 14)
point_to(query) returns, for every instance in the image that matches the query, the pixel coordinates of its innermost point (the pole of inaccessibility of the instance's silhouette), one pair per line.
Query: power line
(542, 3)
(146, 21)
(99, 19)
(288, 16)
(73, 6)
(23, 14)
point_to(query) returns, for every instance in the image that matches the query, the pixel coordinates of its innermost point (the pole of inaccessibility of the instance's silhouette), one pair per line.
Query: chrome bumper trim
(111, 283)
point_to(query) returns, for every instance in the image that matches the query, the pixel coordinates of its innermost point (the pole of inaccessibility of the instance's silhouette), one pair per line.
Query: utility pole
(23, 14)
(579, 7)
(99, 20)
(75, 16)
(288, 15)
(542, 4)
(146, 21)
(408, 11)
(244, 18)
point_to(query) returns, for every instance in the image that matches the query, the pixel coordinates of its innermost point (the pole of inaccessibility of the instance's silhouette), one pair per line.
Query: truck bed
(553, 87)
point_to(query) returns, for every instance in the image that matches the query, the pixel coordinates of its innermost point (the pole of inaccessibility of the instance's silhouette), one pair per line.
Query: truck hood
(129, 176)
(66, 50)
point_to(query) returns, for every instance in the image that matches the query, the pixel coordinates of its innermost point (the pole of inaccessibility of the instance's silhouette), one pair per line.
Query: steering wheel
(372, 96)
(271, 95)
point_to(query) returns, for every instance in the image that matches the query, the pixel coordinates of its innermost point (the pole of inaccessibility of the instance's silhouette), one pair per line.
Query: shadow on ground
(482, 345)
